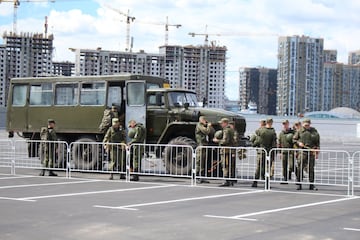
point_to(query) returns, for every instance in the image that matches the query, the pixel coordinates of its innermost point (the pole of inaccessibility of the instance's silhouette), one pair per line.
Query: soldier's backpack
(105, 121)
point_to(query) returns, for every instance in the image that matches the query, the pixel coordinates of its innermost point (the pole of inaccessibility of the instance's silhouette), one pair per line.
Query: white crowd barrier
(330, 167)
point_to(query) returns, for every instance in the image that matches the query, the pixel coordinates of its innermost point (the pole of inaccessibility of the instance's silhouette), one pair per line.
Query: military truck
(78, 103)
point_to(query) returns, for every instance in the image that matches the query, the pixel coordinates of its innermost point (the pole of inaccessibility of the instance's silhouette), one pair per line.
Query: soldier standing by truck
(137, 135)
(306, 138)
(267, 140)
(227, 161)
(115, 135)
(286, 141)
(203, 132)
(48, 148)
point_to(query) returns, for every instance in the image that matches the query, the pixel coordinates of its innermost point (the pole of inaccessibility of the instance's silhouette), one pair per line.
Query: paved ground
(82, 207)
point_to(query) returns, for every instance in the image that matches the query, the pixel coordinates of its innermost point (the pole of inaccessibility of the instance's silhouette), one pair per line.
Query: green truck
(78, 104)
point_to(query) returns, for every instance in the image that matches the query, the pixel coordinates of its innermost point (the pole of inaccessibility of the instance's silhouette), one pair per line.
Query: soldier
(227, 161)
(48, 149)
(286, 141)
(306, 138)
(267, 140)
(137, 135)
(108, 115)
(115, 134)
(203, 132)
(236, 134)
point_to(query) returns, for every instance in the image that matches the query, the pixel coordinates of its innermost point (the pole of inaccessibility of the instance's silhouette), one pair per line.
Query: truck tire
(85, 155)
(178, 160)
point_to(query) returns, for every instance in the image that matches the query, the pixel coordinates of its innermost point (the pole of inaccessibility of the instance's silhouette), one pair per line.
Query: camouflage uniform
(227, 160)
(266, 138)
(137, 135)
(48, 149)
(117, 152)
(202, 136)
(311, 140)
(286, 141)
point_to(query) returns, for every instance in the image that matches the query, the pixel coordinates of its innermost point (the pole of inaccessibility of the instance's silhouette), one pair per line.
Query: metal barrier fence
(356, 167)
(320, 167)
(47, 155)
(7, 154)
(314, 167)
(230, 163)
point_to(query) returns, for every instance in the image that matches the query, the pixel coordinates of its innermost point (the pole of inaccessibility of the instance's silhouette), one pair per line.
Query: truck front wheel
(179, 155)
(85, 154)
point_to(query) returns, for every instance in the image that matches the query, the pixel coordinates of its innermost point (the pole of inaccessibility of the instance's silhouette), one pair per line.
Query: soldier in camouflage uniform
(306, 138)
(115, 134)
(286, 141)
(227, 160)
(203, 133)
(137, 134)
(266, 138)
(48, 149)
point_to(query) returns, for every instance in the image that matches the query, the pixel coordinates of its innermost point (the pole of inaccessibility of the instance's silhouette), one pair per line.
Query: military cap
(285, 121)
(306, 121)
(269, 120)
(224, 120)
(50, 120)
(115, 120)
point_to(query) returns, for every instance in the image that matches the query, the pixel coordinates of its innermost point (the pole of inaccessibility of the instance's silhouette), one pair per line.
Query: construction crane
(129, 19)
(167, 25)
(16, 5)
(244, 34)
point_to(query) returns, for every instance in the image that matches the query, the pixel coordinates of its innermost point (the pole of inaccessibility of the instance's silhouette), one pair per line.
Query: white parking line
(352, 229)
(242, 216)
(15, 199)
(93, 192)
(133, 206)
(46, 184)
(4, 178)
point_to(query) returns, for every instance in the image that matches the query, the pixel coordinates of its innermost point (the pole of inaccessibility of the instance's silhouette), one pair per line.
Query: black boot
(42, 173)
(227, 183)
(299, 187)
(134, 178)
(254, 184)
(312, 187)
(52, 174)
(122, 176)
(290, 172)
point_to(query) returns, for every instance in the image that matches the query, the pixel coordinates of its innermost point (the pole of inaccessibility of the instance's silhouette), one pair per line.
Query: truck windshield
(178, 99)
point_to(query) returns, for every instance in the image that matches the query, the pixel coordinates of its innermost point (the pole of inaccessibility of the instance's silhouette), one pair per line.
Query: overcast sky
(248, 28)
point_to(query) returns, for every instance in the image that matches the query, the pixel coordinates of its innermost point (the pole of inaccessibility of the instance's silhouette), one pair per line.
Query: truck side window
(92, 94)
(66, 94)
(19, 95)
(41, 94)
(114, 96)
(135, 94)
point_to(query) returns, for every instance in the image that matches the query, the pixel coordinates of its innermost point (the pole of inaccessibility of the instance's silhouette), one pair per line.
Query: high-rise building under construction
(24, 55)
(197, 68)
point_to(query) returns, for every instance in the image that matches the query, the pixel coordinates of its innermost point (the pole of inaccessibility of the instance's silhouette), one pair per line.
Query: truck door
(135, 102)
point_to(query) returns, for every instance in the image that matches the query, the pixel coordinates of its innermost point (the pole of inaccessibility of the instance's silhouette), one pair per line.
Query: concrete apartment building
(198, 68)
(103, 62)
(341, 86)
(24, 55)
(65, 68)
(354, 57)
(300, 68)
(258, 85)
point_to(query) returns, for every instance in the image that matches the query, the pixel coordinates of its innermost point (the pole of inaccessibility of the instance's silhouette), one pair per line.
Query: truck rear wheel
(178, 157)
(85, 155)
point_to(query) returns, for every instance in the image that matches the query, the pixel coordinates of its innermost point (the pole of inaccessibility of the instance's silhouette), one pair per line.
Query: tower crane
(16, 5)
(241, 34)
(166, 24)
(129, 19)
